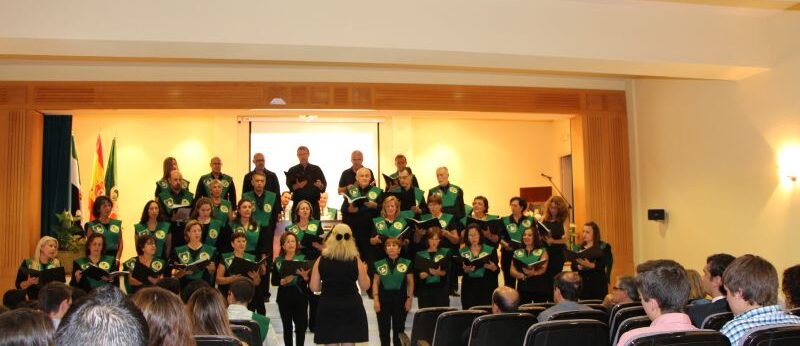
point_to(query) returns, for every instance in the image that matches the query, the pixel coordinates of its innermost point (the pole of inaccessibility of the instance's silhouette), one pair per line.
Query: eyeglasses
(340, 236)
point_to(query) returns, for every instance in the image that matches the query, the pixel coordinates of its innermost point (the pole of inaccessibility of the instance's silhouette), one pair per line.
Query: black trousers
(313, 301)
(392, 317)
(505, 265)
(433, 296)
(476, 291)
(293, 308)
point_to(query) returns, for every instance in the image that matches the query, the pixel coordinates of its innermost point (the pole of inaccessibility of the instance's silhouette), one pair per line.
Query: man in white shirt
(240, 292)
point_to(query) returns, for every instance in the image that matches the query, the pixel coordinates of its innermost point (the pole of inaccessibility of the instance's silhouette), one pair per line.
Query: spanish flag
(98, 185)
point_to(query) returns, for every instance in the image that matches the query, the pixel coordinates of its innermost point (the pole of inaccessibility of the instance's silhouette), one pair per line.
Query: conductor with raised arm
(306, 181)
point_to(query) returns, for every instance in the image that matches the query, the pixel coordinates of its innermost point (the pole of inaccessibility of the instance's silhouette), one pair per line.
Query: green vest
(185, 257)
(514, 231)
(387, 229)
(251, 233)
(106, 263)
(263, 324)
(157, 266)
(392, 279)
(528, 258)
(166, 199)
(227, 258)
(372, 194)
(419, 195)
(161, 232)
(466, 252)
(488, 217)
(279, 261)
(28, 263)
(112, 232)
(206, 180)
(313, 227)
(449, 197)
(444, 220)
(262, 214)
(221, 212)
(442, 252)
(214, 230)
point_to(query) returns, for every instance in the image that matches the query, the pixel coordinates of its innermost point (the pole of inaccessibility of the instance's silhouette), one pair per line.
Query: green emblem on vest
(184, 256)
(161, 234)
(131, 265)
(84, 266)
(157, 265)
(526, 223)
(228, 261)
(203, 256)
(225, 183)
(402, 268)
(383, 269)
(185, 202)
(103, 265)
(98, 228)
(453, 189)
(519, 253)
(381, 226)
(512, 228)
(114, 228)
(372, 195)
(212, 233)
(223, 209)
(437, 258)
(312, 227)
(353, 191)
(443, 223)
(267, 208)
(169, 202)
(397, 225)
(537, 252)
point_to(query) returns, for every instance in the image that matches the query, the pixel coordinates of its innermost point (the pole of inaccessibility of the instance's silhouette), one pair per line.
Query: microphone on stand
(547, 176)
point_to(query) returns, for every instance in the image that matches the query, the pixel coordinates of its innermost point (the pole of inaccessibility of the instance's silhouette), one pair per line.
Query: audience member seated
(192, 287)
(664, 288)
(77, 293)
(505, 300)
(104, 317)
(165, 315)
(14, 298)
(696, 296)
(712, 285)
(623, 292)
(240, 292)
(207, 315)
(55, 299)
(566, 290)
(26, 327)
(751, 283)
(170, 284)
(791, 286)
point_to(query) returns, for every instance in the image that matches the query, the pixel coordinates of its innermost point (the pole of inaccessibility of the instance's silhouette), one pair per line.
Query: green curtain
(56, 155)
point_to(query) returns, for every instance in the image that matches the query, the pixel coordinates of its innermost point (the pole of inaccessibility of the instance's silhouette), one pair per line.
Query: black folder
(536, 264)
(476, 262)
(195, 266)
(309, 238)
(291, 267)
(422, 264)
(390, 181)
(591, 253)
(48, 275)
(98, 273)
(141, 273)
(242, 266)
(433, 222)
(495, 225)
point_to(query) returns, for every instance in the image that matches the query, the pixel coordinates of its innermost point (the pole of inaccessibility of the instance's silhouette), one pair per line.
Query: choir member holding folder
(152, 223)
(479, 265)
(392, 290)
(529, 269)
(176, 202)
(310, 237)
(238, 264)
(110, 228)
(513, 225)
(291, 273)
(256, 243)
(589, 260)
(431, 266)
(145, 269)
(194, 261)
(388, 225)
(553, 227)
(204, 214)
(393, 180)
(43, 268)
(95, 244)
(412, 198)
(361, 202)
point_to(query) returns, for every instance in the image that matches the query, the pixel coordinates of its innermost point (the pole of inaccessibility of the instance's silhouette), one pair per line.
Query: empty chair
(596, 315)
(621, 315)
(216, 340)
(452, 327)
(425, 323)
(244, 334)
(630, 324)
(487, 308)
(533, 310)
(252, 325)
(570, 332)
(500, 329)
(617, 307)
(688, 338)
(590, 301)
(716, 321)
(773, 336)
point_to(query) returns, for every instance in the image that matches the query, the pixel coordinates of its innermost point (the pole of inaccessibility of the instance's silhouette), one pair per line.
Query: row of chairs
(245, 331)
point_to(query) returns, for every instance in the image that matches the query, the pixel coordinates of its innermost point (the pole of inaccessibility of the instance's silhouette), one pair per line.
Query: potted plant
(71, 238)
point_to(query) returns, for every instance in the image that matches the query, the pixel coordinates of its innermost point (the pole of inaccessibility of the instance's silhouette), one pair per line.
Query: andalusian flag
(98, 187)
(111, 178)
(75, 183)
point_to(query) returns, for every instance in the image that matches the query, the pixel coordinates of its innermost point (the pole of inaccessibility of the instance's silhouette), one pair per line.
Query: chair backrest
(630, 324)
(773, 336)
(453, 326)
(600, 307)
(500, 329)
(487, 308)
(716, 321)
(687, 338)
(617, 307)
(596, 315)
(216, 340)
(622, 315)
(244, 334)
(533, 310)
(570, 332)
(252, 325)
(795, 311)
(590, 301)
(544, 305)
(425, 323)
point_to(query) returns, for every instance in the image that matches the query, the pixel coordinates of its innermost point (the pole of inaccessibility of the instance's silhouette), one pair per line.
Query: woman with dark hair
(208, 313)
(555, 225)
(192, 252)
(166, 317)
(257, 243)
(478, 281)
(432, 289)
(480, 211)
(592, 269)
(26, 327)
(95, 245)
(511, 240)
(304, 224)
(392, 292)
(532, 283)
(152, 223)
(105, 225)
(224, 276)
(44, 258)
(168, 166)
(150, 268)
(203, 212)
(791, 286)
(342, 318)
(292, 293)
(223, 209)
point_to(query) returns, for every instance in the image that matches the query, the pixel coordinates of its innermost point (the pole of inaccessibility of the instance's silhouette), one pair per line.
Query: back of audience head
(663, 285)
(165, 316)
(104, 317)
(696, 284)
(77, 293)
(567, 286)
(750, 281)
(504, 300)
(170, 284)
(25, 326)
(54, 299)
(712, 273)
(626, 290)
(192, 287)
(14, 298)
(207, 313)
(791, 286)
(241, 291)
